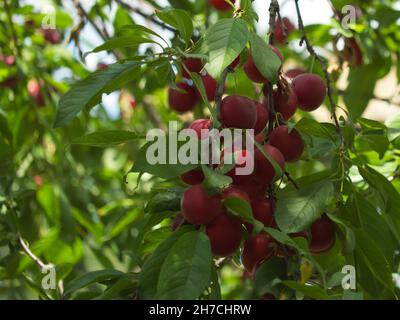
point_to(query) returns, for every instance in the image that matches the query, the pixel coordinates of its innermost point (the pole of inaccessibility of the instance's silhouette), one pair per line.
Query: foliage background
(76, 206)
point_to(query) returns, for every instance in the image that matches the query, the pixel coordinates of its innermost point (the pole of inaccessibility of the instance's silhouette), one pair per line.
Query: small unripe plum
(183, 101)
(192, 177)
(238, 112)
(201, 124)
(310, 90)
(262, 117)
(256, 250)
(280, 35)
(221, 5)
(264, 171)
(322, 235)
(293, 73)
(193, 65)
(251, 70)
(240, 159)
(210, 85)
(198, 207)
(285, 103)
(291, 144)
(51, 35)
(263, 211)
(225, 234)
(235, 192)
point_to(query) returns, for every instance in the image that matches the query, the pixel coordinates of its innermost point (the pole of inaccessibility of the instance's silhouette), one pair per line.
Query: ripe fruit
(310, 90)
(198, 207)
(285, 103)
(262, 117)
(293, 73)
(225, 234)
(256, 249)
(210, 85)
(238, 112)
(102, 66)
(322, 235)
(251, 70)
(193, 65)
(268, 296)
(291, 144)
(221, 5)
(263, 210)
(10, 82)
(51, 35)
(253, 188)
(264, 171)
(8, 60)
(34, 91)
(235, 192)
(280, 35)
(199, 125)
(193, 177)
(183, 101)
(241, 158)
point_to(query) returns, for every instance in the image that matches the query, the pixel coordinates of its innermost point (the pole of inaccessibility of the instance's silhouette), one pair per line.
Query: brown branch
(153, 116)
(312, 52)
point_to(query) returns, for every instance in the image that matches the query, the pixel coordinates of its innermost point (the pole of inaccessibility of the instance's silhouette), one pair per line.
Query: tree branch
(144, 15)
(26, 249)
(312, 52)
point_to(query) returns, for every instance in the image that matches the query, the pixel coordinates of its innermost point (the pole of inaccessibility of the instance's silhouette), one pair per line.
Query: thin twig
(220, 88)
(289, 177)
(311, 50)
(148, 108)
(144, 15)
(26, 249)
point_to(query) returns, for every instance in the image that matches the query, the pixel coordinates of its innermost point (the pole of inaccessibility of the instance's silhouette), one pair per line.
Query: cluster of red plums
(295, 89)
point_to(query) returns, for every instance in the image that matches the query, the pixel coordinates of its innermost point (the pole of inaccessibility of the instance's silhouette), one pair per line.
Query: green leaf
(178, 19)
(169, 200)
(166, 169)
(200, 87)
(87, 93)
(376, 142)
(349, 237)
(186, 270)
(91, 278)
(272, 269)
(150, 273)
(312, 291)
(121, 42)
(107, 138)
(266, 61)
(317, 129)
(239, 207)
(374, 259)
(223, 42)
(214, 180)
(297, 210)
